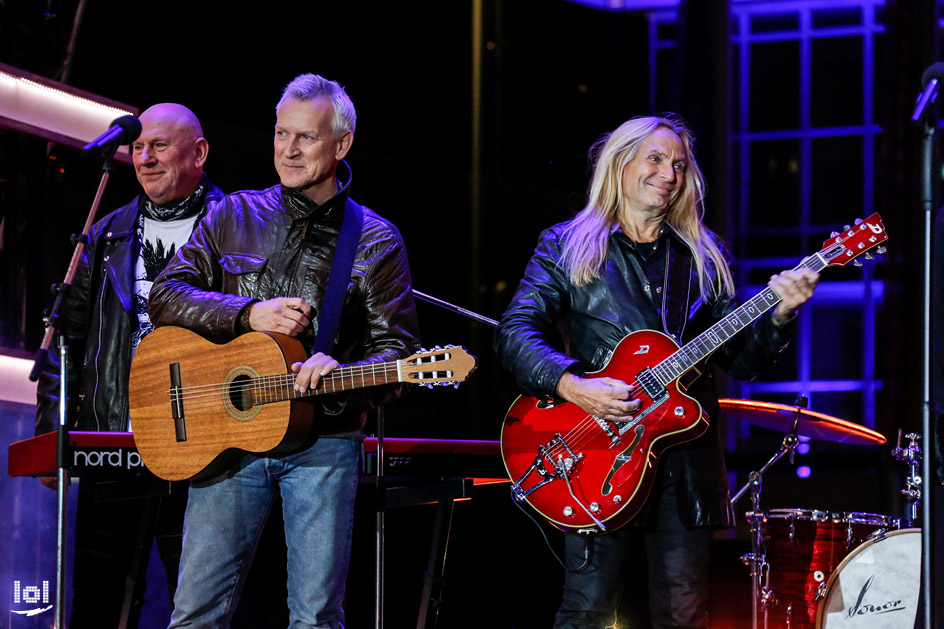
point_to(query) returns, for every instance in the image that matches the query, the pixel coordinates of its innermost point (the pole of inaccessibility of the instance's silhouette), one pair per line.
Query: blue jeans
(224, 520)
(609, 574)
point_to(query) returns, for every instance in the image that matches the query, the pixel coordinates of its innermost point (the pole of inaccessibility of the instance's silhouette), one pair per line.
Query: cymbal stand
(756, 559)
(910, 455)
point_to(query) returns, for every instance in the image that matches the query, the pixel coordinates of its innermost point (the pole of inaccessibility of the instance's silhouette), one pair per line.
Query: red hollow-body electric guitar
(582, 472)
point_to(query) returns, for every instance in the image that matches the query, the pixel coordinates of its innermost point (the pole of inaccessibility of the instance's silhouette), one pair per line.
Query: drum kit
(823, 569)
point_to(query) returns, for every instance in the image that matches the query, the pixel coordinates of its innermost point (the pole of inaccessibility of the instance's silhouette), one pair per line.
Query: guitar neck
(711, 339)
(268, 389)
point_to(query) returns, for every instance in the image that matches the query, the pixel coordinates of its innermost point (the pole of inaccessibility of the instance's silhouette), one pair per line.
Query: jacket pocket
(241, 272)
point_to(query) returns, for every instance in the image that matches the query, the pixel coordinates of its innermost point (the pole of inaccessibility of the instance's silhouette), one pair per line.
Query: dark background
(555, 76)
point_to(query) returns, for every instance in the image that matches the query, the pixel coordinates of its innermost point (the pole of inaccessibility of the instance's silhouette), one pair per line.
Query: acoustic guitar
(196, 405)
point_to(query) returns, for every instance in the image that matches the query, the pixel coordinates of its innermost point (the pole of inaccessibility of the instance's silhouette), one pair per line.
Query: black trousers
(608, 576)
(116, 523)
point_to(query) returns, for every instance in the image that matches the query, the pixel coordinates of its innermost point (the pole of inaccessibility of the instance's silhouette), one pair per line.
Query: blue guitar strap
(330, 316)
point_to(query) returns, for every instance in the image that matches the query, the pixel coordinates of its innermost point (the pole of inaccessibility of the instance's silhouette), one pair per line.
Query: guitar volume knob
(568, 511)
(679, 411)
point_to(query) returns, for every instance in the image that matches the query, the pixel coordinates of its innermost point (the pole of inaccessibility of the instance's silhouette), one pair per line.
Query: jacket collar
(300, 206)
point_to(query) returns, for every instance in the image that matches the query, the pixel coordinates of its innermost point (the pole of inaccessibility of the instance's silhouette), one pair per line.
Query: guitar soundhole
(240, 393)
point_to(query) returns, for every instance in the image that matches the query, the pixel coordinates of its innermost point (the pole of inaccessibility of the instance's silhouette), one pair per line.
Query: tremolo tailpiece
(551, 469)
(543, 465)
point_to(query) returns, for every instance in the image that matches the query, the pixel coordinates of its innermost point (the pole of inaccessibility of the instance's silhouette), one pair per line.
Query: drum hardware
(876, 535)
(756, 560)
(777, 589)
(911, 456)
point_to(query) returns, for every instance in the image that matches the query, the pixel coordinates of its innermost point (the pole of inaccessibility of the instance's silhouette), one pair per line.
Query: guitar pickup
(177, 403)
(652, 386)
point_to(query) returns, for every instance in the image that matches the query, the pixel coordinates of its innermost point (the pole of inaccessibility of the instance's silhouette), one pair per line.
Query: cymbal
(781, 417)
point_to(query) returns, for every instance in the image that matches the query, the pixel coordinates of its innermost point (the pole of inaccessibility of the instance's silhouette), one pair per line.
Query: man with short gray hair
(260, 261)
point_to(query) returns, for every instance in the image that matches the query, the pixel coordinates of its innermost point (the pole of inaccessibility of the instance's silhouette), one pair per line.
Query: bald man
(107, 318)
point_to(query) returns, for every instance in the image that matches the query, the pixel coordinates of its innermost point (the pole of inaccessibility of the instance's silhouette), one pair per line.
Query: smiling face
(655, 176)
(169, 154)
(306, 151)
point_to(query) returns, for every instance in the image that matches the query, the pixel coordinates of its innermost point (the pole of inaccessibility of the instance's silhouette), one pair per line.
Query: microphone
(931, 80)
(124, 130)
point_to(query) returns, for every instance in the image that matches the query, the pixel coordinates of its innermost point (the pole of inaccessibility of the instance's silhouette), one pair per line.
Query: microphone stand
(923, 112)
(55, 326)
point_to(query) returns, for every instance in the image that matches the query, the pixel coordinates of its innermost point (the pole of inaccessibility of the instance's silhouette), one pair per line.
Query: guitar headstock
(439, 366)
(854, 241)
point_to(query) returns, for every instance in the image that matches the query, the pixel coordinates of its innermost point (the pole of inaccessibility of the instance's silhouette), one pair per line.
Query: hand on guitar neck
(311, 371)
(795, 289)
(291, 315)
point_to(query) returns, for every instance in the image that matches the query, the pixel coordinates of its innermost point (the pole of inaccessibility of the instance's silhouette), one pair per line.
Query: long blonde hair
(586, 238)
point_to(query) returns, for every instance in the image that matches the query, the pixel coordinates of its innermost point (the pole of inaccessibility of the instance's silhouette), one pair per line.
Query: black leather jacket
(591, 320)
(258, 245)
(100, 320)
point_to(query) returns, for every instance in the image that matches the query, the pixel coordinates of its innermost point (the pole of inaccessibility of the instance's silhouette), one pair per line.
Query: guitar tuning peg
(881, 250)
(858, 221)
(856, 263)
(868, 256)
(834, 235)
(846, 227)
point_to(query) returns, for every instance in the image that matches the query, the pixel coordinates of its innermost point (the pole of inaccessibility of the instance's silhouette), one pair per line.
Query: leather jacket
(100, 319)
(592, 319)
(258, 245)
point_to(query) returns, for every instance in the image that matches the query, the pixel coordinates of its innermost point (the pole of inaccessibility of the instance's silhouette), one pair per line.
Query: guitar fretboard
(711, 339)
(268, 389)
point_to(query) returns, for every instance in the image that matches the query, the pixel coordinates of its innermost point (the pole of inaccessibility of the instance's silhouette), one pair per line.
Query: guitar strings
(587, 430)
(281, 387)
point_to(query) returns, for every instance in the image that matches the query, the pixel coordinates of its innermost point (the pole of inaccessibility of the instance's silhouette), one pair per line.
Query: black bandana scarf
(176, 209)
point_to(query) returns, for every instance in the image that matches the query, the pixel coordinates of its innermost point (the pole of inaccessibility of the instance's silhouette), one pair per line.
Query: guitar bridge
(547, 467)
(177, 403)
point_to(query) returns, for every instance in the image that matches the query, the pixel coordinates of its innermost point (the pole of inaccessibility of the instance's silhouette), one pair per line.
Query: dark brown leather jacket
(258, 245)
(591, 320)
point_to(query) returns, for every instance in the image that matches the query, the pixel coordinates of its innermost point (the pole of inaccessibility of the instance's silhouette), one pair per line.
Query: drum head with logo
(876, 586)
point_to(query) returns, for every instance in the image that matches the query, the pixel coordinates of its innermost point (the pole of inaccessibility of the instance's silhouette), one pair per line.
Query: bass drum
(876, 585)
(803, 548)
